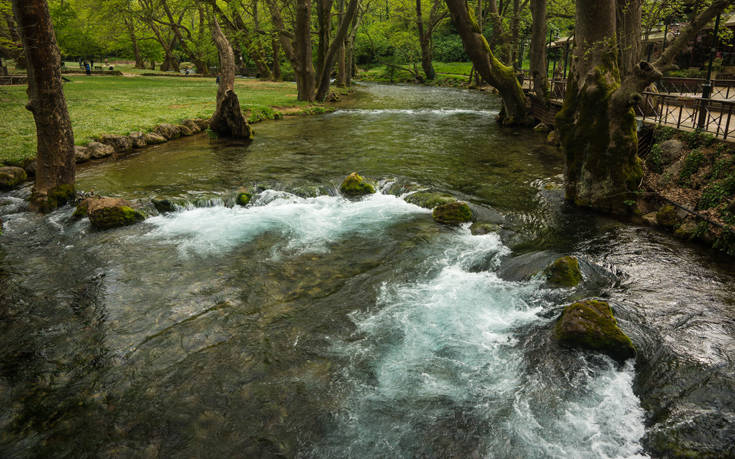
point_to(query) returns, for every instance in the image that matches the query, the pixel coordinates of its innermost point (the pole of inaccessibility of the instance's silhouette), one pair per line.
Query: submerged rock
(667, 216)
(99, 150)
(564, 272)
(355, 185)
(11, 177)
(152, 138)
(243, 197)
(479, 229)
(590, 324)
(429, 199)
(452, 213)
(105, 213)
(163, 205)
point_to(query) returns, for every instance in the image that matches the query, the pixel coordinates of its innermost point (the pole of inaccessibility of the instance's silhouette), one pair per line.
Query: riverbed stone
(99, 150)
(671, 150)
(202, 123)
(243, 197)
(11, 177)
(480, 229)
(163, 205)
(121, 143)
(169, 131)
(81, 154)
(137, 139)
(192, 125)
(667, 216)
(590, 324)
(687, 230)
(564, 272)
(151, 138)
(184, 130)
(105, 213)
(355, 185)
(429, 199)
(452, 213)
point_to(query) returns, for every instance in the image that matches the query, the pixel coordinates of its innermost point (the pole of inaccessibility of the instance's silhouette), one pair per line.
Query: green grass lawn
(120, 105)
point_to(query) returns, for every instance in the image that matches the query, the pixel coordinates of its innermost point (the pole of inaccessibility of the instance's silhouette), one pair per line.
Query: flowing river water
(309, 325)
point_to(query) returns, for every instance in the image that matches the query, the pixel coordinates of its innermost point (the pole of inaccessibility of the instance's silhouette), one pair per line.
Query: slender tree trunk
(276, 59)
(228, 120)
(304, 68)
(324, 16)
(256, 49)
(326, 70)
(538, 48)
(425, 44)
(501, 77)
(597, 124)
(139, 62)
(55, 166)
(342, 53)
(19, 55)
(515, 30)
(198, 61)
(629, 35)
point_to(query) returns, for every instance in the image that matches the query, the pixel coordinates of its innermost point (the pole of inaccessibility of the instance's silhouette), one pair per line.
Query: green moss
(54, 198)
(452, 213)
(115, 216)
(692, 163)
(686, 230)
(667, 216)
(564, 272)
(11, 177)
(82, 210)
(243, 198)
(355, 185)
(590, 324)
(429, 199)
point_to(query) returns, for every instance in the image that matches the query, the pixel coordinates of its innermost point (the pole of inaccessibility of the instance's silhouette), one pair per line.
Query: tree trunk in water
(55, 165)
(228, 120)
(326, 70)
(276, 60)
(629, 35)
(501, 77)
(538, 48)
(425, 43)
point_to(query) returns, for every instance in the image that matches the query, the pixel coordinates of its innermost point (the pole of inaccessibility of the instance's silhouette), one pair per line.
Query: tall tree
(325, 70)
(538, 48)
(426, 32)
(597, 124)
(494, 72)
(55, 167)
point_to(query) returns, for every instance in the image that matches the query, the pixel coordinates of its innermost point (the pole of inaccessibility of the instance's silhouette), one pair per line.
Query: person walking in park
(87, 68)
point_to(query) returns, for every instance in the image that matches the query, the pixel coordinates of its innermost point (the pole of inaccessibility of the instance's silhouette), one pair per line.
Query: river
(309, 325)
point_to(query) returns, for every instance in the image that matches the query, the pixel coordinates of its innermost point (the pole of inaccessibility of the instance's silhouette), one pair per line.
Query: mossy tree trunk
(55, 166)
(597, 123)
(501, 77)
(228, 119)
(538, 48)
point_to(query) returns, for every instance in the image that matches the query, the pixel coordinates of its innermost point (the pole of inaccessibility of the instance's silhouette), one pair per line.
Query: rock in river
(590, 324)
(564, 272)
(105, 213)
(429, 199)
(11, 177)
(354, 185)
(452, 213)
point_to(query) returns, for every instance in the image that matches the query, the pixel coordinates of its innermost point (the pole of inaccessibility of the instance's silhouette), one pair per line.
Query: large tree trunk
(324, 16)
(538, 48)
(303, 66)
(425, 43)
(501, 77)
(629, 35)
(597, 124)
(326, 70)
(55, 166)
(228, 120)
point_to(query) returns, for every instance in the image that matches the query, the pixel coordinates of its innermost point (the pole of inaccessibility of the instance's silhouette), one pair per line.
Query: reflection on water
(311, 325)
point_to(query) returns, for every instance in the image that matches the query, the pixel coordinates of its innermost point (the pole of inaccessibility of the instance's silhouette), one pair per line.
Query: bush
(663, 133)
(653, 160)
(696, 139)
(449, 48)
(692, 163)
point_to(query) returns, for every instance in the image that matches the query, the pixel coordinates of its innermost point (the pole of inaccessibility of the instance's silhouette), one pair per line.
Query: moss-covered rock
(152, 138)
(590, 324)
(479, 229)
(564, 272)
(667, 216)
(243, 197)
(11, 177)
(452, 213)
(687, 230)
(105, 213)
(429, 199)
(355, 185)
(163, 205)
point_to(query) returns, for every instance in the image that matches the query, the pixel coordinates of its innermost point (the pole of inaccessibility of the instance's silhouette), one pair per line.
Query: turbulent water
(310, 325)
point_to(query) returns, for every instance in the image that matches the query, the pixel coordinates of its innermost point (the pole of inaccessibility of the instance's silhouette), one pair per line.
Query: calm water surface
(308, 325)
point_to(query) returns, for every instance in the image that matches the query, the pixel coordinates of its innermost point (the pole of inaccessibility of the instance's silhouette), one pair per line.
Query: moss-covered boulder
(452, 213)
(479, 229)
(687, 230)
(564, 272)
(667, 216)
(243, 197)
(590, 324)
(152, 138)
(355, 185)
(169, 131)
(429, 199)
(11, 177)
(105, 213)
(163, 205)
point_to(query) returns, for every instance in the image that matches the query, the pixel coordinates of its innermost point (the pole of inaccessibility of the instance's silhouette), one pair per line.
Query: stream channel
(310, 325)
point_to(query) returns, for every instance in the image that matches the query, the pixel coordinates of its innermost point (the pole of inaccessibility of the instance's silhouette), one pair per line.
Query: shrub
(663, 133)
(653, 160)
(692, 163)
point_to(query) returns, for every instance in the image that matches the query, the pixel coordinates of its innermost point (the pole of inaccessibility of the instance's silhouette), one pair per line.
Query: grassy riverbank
(447, 74)
(120, 105)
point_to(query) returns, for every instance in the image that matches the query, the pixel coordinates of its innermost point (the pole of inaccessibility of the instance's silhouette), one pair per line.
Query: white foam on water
(449, 344)
(308, 224)
(418, 111)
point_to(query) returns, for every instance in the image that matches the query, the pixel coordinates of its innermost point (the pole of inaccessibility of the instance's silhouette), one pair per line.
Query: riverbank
(120, 105)
(448, 74)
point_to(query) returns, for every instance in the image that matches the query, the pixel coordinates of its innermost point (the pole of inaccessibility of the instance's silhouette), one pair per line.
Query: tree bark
(326, 70)
(342, 53)
(425, 43)
(538, 48)
(515, 110)
(139, 62)
(55, 166)
(515, 30)
(175, 27)
(228, 120)
(629, 35)
(276, 59)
